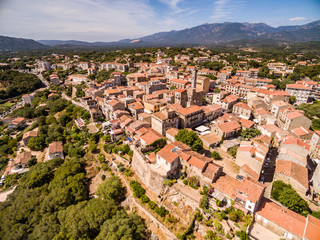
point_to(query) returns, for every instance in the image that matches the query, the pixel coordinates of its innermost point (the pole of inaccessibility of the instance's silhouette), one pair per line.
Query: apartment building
(300, 91)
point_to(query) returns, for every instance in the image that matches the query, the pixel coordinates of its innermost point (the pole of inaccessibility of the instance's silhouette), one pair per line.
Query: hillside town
(226, 141)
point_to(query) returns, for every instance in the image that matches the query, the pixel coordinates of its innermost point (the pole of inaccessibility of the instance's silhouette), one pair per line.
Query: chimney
(194, 78)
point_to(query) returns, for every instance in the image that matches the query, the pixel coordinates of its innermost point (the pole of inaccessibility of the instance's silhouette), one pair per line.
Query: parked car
(262, 179)
(266, 165)
(239, 177)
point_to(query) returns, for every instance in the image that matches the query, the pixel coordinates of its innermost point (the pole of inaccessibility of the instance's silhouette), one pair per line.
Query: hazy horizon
(107, 20)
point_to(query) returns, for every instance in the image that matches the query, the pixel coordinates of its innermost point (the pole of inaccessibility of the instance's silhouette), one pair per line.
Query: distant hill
(227, 32)
(15, 44)
(206, 34)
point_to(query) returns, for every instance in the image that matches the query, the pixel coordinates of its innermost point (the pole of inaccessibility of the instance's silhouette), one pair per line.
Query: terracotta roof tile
(293, 170)
(285, 218)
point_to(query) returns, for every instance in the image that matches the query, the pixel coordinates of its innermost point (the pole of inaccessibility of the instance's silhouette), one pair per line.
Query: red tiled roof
(294, 170)
(229, 126)
(246, 123)
(171, 151)
(285, 218)
(296, 141)
(298, 86)
(150, 136)
(227, 185)
(55, 147)
(252, 188)
(176, 80)
(242, 105)
(312, 231)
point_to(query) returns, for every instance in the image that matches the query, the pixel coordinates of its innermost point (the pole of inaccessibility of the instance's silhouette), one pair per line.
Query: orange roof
(229, 99)
(30, 134)
(55, 147)
(246, 123)
(227, 185)
(285, 218)
(186, 111)
(270, 128)
(298, 86)
(229, 126)
(112, 91)
(295, 114)
(249, 170)
(312, 231)
(176, 80)
(172, 131)
(136, 105)
(249, 149)
(17, 120)
(150, 136)
(301, 131)
(242, 105)
(296, 141)
(211, 170)
(293, 170)
(171, 151)
(261, 111)
(252, 188)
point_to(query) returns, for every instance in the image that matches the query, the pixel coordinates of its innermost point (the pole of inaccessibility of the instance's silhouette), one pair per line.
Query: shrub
(167, 182)
(215, 155)
(242, 235)
(103, 177)
(161, 211)
(233, 216)
(152, 205)
(217, 225)
(104, 167)
(218, 202)
(128, 172)
(144, 199)
(185, 181)
(137, 189)
(204, 203)
(101, 158)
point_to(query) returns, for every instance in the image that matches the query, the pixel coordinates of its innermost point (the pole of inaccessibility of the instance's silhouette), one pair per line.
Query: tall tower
(194, 78)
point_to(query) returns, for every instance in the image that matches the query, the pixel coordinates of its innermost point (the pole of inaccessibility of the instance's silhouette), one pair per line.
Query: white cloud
(91, 20)
(173, 4)
(297, 19)
(224, 8)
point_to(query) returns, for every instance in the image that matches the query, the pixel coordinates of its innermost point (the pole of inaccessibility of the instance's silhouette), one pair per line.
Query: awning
(129, 139)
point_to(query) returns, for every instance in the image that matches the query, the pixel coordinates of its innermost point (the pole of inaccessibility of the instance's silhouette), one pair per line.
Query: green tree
(249, 133)
(292, 99)
(204, 203)
(111, 188)
(36, 143)
(137, 189)
(123, 226)
(190, 138)
(215, 155)
(233, 151)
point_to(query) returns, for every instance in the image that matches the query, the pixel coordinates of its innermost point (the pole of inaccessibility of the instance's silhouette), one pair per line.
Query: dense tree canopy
(16, 83)
(52, 202)
(287, 196)
(190, 138)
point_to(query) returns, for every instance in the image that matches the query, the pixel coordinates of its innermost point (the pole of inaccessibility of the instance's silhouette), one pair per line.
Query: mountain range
(206, 34)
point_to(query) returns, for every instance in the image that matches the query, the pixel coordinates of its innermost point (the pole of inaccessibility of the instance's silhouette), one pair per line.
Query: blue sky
(111, 20)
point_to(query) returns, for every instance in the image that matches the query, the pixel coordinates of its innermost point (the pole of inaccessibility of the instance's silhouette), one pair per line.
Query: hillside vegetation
(15, 83)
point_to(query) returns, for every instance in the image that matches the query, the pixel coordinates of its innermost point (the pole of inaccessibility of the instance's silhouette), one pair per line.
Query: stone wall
(147, 172)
